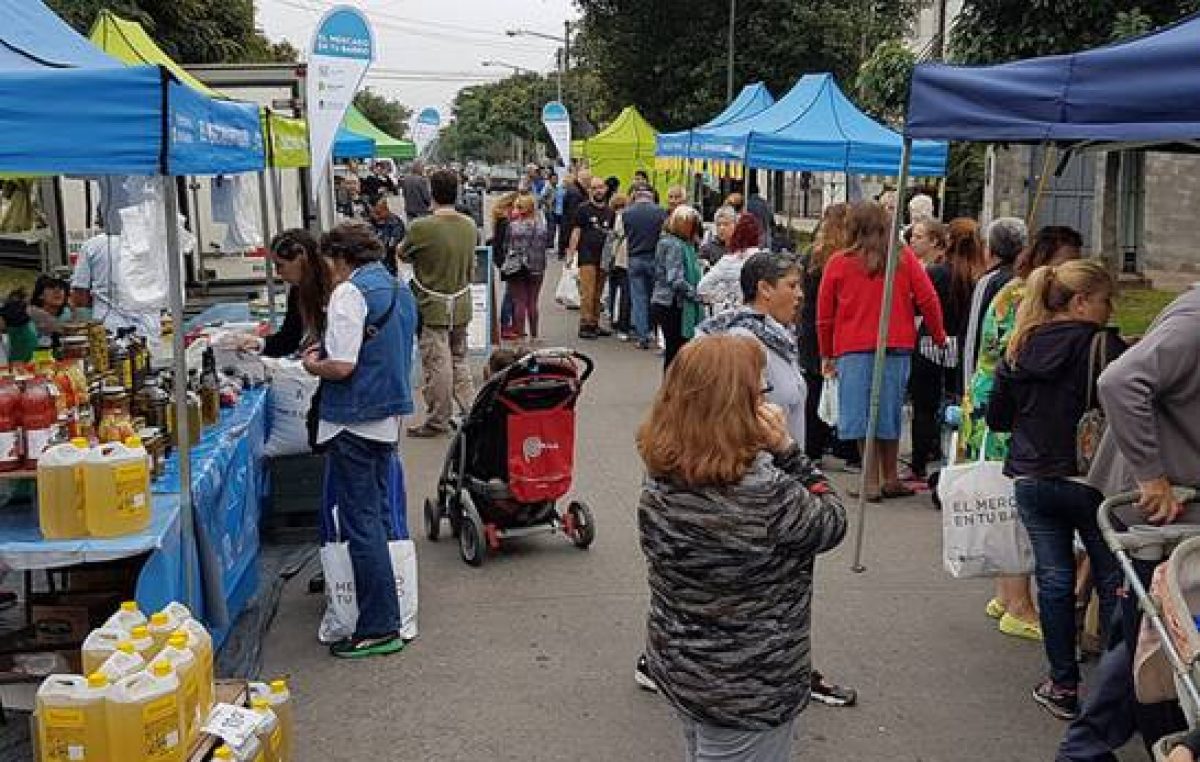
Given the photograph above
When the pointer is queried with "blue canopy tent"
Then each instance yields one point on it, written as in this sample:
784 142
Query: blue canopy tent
815 128
68 108
752 100
348 144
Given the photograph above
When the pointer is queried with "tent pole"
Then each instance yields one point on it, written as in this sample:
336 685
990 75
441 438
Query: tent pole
268 265
179 363
871 456
1037 197
789 199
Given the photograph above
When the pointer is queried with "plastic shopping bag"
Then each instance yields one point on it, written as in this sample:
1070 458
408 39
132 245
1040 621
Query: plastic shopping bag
341 605
982 533
567 293
827 405
291 396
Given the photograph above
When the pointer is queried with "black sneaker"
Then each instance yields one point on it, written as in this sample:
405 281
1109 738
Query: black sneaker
588 333
1059 701
641 676
831 694
603 333
361 648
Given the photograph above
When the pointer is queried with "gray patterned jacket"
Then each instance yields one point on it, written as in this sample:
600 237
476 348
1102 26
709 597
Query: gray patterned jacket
731 590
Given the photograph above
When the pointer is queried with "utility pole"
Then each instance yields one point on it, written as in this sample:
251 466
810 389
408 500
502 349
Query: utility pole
729 74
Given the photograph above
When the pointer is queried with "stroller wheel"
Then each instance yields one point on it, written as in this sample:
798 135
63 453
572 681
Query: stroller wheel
472 544
583 527
433 520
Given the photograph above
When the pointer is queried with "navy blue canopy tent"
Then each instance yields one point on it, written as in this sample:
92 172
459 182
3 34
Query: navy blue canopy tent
1145 90
815 128
752 100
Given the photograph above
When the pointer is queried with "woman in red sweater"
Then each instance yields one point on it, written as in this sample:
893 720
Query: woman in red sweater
848 308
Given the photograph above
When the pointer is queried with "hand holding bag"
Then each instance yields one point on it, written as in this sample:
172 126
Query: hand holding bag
982 533
827 405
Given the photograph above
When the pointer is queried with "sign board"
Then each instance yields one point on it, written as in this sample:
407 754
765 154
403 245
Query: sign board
479 332
343 48
425 129
557 120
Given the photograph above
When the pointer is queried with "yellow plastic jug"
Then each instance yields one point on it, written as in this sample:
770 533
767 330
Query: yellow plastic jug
145 718
279 697
143 643
123 662
162 625
60 491
251 752
178 611
117 481
270 731
71 719
99 645
187 668
201 645
127 617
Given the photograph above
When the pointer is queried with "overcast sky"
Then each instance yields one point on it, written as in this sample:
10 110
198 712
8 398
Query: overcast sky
429 49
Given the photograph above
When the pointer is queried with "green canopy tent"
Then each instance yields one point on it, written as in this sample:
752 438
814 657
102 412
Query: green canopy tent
386 146
624 147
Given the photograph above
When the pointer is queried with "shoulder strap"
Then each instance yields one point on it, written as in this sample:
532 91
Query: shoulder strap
372 329
1097 361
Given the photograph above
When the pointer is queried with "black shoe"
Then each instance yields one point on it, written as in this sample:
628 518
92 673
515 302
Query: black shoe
1061 702
316 583
603 332
643 344
588 333
641 676
361 648
830 694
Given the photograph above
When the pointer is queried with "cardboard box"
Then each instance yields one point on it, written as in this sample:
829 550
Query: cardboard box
67 618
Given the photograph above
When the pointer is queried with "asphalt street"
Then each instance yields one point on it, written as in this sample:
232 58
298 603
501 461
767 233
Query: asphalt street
531 656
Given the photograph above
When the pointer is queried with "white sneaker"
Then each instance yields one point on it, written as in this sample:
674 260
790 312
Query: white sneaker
641 676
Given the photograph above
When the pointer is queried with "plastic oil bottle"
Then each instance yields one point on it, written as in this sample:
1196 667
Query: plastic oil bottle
61 495
276 693
127 617
71 722
187 668
123 662
270 731
117 478
142 642
99 645
252 751
201 645
162 625
145 718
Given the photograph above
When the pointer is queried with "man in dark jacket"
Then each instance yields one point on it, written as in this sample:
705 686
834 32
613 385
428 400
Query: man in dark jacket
415 187
643 221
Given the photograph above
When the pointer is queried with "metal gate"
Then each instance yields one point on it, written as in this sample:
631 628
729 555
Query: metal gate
1069 198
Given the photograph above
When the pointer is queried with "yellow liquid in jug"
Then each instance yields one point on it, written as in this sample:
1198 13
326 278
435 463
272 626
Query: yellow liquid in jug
70 734
147 731
61 503
118 496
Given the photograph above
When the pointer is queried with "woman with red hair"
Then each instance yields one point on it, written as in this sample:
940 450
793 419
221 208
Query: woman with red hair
721 286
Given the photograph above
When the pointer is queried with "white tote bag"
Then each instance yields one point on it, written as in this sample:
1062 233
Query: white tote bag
567 293
341 605
827 405
982 533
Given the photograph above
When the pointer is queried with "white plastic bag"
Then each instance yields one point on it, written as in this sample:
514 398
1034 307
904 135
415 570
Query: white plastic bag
292 390
341 606
827 405
567 293
982 533
142 277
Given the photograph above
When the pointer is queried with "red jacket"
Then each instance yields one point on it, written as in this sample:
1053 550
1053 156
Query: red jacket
850 299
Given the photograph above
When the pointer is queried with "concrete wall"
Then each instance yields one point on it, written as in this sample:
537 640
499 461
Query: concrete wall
1172 213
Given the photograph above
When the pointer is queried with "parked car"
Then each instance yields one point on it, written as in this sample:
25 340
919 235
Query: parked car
503 180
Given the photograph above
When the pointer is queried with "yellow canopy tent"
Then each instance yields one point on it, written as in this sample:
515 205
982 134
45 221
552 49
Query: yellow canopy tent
624 147
287 139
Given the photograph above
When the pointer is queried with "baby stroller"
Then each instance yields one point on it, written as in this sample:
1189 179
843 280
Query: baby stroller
1171 603
512 457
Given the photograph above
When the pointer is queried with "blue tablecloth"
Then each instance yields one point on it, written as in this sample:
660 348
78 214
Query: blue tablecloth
228 482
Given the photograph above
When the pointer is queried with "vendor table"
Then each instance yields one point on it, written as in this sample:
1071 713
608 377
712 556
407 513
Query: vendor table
222 312
228 484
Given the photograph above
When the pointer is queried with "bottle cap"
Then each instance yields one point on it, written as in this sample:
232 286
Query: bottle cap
97 680
279 685
126 647
158 619
134 441
129 606
161 669
82 444
177 640
223 752
141 631
260 704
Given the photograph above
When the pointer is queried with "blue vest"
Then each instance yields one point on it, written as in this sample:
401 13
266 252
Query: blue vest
379 387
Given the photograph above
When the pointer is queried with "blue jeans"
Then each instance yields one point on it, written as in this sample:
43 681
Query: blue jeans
359 468
1053 510
641 287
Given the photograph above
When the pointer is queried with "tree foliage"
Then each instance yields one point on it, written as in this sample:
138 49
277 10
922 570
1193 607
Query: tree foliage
190 31
883 82
992 31
387 114
669 58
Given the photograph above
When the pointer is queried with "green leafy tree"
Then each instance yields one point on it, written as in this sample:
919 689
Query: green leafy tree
190 31
883 82
386 113
992 31
669 58
486 118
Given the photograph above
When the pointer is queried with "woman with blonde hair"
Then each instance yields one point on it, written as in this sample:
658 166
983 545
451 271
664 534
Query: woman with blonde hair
675 305
731 520
524 266
1043 387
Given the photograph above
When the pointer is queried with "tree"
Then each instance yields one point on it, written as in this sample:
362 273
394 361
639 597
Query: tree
387 114
992 31
883 82
190 31
671 62
486 118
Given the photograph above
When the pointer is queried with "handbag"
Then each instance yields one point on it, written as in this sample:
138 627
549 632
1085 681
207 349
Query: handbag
982 533
1090 429
515 264
827 405
567 292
